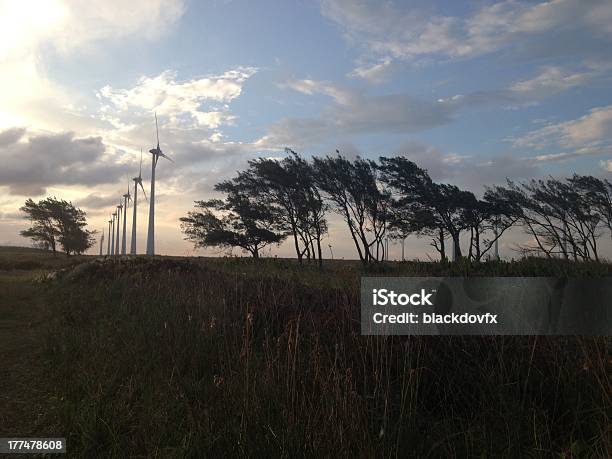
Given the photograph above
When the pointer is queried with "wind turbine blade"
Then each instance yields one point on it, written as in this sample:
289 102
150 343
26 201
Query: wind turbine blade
163 155
140 170
157 130
143 191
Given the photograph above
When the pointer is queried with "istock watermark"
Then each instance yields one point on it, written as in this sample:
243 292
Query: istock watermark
486 306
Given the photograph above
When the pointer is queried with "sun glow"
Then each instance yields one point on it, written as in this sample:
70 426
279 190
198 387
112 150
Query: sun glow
24 22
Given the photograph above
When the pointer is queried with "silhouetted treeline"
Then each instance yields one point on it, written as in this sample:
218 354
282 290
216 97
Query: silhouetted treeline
391 198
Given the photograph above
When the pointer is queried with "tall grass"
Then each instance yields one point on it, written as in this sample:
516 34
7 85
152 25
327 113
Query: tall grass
167 358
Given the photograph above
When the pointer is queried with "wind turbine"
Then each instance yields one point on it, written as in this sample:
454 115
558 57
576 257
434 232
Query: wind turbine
101 242
113 235
137 181
156 152
108 248
119 207
126 198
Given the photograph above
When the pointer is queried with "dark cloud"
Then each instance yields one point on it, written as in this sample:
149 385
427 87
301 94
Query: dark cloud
10 136
356 113
96 201
43 160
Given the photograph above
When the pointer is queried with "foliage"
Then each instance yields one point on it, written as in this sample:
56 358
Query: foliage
55 222
239 221
393 198
355 192
564 216
288 186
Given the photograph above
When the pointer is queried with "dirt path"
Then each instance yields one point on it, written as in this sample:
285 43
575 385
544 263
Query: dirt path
24 391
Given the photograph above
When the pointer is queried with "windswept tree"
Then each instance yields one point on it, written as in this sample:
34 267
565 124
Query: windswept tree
560 215
56 221
356 194
238 221
288 186
488 219
430 208
597 194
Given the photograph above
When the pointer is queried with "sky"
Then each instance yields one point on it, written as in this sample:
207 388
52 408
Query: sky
474 91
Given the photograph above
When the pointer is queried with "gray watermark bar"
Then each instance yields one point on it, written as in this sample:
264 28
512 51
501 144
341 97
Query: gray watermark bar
486 306
32 445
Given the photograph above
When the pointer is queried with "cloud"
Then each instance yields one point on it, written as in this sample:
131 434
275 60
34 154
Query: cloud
592 129
32 30
473 173
395 31
71 24
606 165
310 87
352 112
373 73
96 201
11 136
547 82
40 160
551 80
183 102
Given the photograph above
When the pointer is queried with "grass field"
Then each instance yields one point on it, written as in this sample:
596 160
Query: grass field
172 357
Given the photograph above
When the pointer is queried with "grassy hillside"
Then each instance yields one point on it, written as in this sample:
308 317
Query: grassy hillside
169 357
27 258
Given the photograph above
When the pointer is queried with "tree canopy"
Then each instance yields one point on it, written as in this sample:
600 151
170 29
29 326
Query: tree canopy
393 198
238 221
56 221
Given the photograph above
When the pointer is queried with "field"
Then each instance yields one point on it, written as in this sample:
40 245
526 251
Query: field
175 357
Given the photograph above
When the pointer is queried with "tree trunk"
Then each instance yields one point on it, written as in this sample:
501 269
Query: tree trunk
442 246
297 246
456 248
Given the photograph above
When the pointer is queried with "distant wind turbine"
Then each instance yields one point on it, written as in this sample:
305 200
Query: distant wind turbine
108 247
156 152
113 235
126 197
137 181
119 207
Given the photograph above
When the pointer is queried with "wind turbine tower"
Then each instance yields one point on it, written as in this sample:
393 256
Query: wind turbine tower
113 235
119 207
137 181
108 248
156 152
126 198
101 242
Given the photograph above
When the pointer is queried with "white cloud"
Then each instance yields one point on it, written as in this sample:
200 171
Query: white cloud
29 28
310 87
373 73
606 165
70 24
182 102
550 80
592 129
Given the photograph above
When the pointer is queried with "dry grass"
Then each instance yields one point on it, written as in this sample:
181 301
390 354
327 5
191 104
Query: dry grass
175 358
